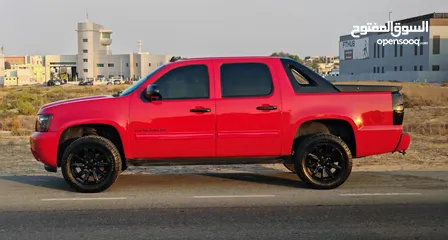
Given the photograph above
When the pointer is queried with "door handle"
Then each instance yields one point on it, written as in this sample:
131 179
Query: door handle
269 108
200 110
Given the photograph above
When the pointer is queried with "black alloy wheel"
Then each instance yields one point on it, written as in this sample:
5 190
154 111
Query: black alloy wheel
323 161
91 164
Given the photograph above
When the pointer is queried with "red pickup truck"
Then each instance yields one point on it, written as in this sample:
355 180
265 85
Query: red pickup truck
222 110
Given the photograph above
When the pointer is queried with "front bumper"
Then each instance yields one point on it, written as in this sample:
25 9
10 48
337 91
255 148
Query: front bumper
44 147
403 143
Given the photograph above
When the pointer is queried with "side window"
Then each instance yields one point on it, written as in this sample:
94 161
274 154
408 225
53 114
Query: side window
187 82
245 80
299 78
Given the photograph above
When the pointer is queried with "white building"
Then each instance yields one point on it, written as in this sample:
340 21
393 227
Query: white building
2 67
94 59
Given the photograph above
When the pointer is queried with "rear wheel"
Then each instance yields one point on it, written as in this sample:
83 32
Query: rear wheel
323 161
91 164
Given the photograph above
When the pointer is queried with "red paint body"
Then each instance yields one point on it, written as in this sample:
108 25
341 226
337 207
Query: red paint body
233 128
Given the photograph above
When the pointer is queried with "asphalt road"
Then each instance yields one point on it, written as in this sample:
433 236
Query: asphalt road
371 205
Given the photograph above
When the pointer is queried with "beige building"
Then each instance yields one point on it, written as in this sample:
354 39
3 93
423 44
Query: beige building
2 67
94 60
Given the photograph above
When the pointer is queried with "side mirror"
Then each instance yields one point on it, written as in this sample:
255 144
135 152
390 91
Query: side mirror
153 92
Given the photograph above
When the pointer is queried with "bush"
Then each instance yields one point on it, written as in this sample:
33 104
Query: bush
21 132
26 108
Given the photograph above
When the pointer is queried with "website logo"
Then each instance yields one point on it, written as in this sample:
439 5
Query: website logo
395 29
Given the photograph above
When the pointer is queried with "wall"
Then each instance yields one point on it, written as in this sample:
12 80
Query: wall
120 65
440 28
15 59
58 61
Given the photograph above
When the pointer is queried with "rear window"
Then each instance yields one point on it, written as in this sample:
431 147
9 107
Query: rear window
245 80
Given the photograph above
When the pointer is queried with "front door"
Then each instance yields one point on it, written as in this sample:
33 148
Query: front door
248 109
182 123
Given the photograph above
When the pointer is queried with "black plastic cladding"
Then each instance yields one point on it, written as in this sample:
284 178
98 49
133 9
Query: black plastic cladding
317 84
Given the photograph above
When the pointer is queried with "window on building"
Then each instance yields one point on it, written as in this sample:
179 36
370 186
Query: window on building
421 68
85 51
395 68
415 68
149 64
100 65
382 69
85 40
378 51
421 46
378 69
382 51
186 82
245 80
136 64
401 68
415 48
110 65
436 44
105 35
85 70
374 50
374 69
435 67
127 64
401 50
85 60
396 49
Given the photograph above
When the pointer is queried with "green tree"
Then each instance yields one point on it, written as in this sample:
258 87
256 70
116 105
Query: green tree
283 54
175 58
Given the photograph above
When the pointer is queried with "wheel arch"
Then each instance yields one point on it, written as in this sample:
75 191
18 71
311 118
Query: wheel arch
109 131
343 127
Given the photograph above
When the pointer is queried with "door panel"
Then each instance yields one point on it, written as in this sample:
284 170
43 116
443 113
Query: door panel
182 123
247 110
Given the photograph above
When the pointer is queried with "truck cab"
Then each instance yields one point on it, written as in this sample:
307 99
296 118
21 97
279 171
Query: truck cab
227 110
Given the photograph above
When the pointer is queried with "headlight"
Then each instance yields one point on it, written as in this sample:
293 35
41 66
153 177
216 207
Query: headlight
43 122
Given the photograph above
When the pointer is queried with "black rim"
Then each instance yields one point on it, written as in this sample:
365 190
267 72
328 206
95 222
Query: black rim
91 166
325 162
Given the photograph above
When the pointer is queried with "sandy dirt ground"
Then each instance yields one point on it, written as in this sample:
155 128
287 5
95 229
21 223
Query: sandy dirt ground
15 159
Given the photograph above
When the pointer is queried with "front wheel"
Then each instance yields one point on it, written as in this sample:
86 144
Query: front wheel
323 161
91 164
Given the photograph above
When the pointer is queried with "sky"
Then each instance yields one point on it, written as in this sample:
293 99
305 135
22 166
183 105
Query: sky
198 28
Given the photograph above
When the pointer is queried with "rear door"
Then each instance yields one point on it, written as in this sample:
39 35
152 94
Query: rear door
248 109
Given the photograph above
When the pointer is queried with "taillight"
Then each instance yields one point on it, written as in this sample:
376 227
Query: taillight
397 108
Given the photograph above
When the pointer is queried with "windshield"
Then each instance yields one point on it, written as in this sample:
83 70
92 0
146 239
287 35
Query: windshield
134 86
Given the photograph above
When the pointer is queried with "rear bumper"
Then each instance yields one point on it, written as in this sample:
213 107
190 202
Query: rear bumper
43 146
403 143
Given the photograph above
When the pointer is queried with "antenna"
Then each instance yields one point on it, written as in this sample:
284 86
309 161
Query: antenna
140 43
87 14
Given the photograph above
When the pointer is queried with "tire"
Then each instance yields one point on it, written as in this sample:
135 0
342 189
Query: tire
78 164
308 160
290 167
